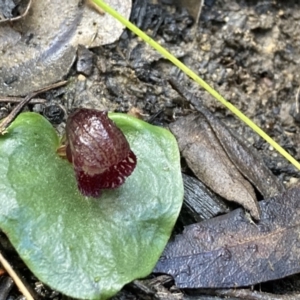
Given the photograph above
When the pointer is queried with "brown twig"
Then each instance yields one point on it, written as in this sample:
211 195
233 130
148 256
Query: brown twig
297 100
20 16
19 99
15 278
254 295
180 90
10 118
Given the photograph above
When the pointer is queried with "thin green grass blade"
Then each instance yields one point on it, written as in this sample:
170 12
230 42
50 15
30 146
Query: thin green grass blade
199 80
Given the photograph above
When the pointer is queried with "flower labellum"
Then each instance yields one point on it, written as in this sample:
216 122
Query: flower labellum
99 151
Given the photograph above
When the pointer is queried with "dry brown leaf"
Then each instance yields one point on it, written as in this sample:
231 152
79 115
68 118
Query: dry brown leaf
210 163
232 251
246 159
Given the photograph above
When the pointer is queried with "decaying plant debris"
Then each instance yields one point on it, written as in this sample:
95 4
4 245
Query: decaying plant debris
40 48
14 10
221 160
231 251
249 51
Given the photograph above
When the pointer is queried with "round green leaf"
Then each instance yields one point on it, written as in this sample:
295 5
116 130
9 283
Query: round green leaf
85 247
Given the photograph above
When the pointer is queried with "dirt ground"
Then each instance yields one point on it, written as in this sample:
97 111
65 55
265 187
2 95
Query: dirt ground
247 50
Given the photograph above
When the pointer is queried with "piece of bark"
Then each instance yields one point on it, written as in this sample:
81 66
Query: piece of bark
232 251
209 162
85 61
6 285
199 202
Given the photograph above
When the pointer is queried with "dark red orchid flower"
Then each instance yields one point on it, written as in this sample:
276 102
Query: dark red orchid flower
99 151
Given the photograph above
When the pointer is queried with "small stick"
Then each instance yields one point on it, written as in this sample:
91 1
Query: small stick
254 295
189 97
95 7
297 100
10 118
19 99
15 278
20 16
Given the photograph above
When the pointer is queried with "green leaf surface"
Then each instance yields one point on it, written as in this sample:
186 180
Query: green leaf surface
84 247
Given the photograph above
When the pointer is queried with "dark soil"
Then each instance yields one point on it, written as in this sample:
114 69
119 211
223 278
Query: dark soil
247 50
